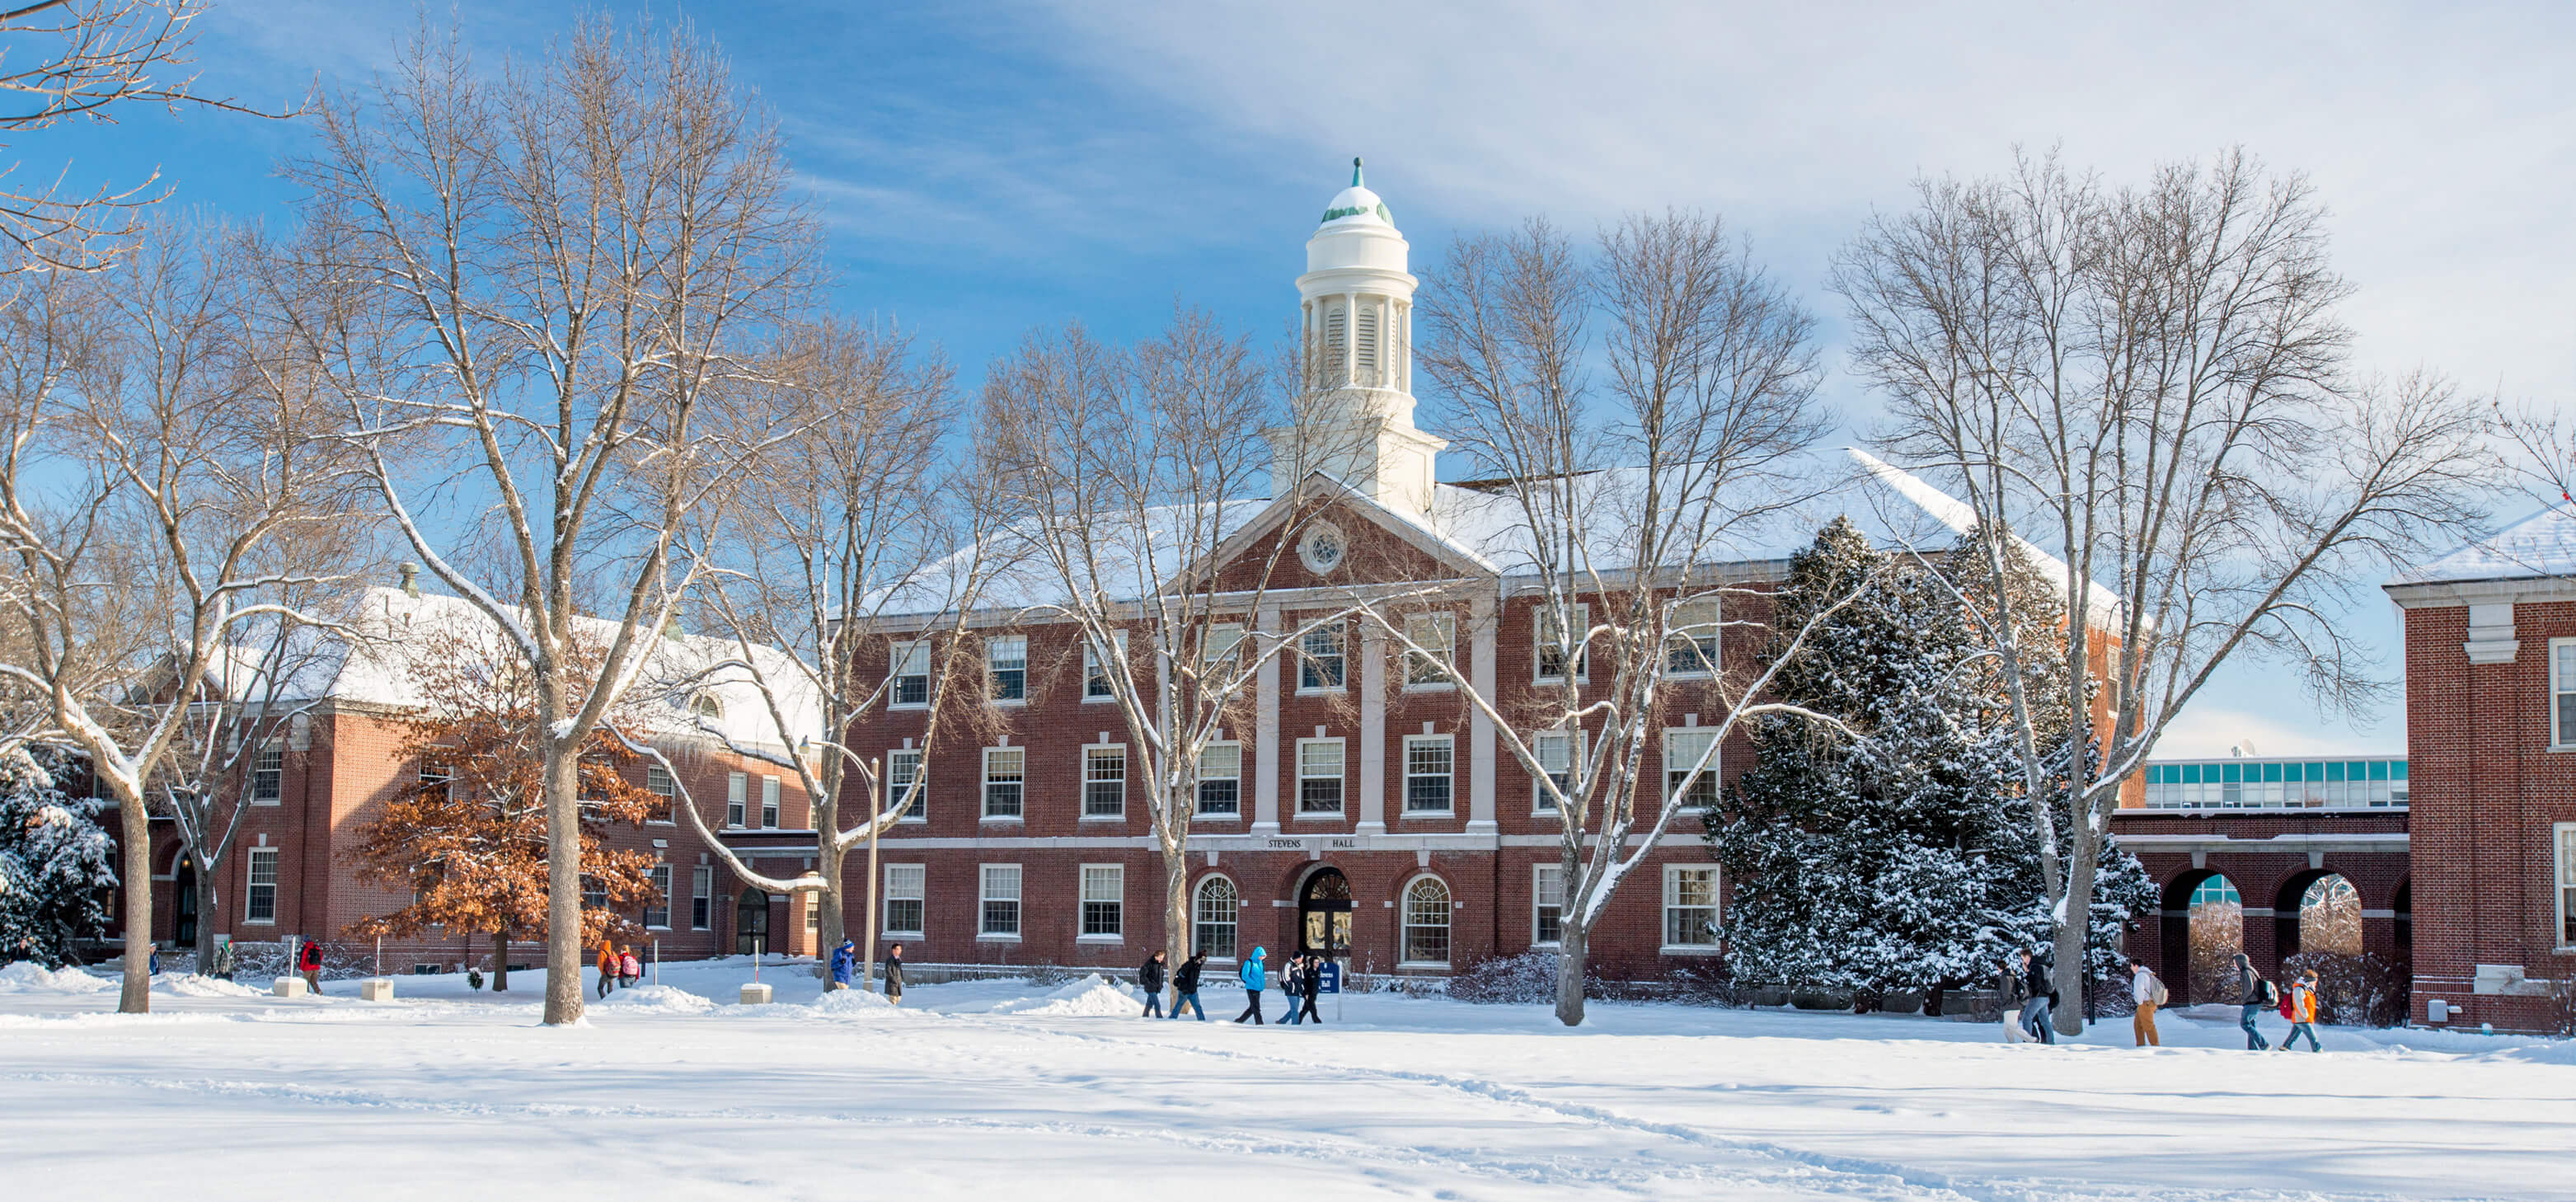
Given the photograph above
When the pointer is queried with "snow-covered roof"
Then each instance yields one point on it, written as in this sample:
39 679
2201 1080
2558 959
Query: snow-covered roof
2539 545
1954 513
375 666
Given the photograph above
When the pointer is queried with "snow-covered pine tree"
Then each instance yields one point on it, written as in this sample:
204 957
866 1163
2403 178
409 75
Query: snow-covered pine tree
57 864
1863 861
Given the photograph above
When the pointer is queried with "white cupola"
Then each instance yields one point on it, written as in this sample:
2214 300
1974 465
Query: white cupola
1356 410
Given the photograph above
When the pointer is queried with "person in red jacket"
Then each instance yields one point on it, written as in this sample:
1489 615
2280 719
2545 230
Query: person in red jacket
309 962
2299 1005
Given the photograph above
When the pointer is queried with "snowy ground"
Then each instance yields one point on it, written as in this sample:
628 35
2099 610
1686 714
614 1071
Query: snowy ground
1008 1090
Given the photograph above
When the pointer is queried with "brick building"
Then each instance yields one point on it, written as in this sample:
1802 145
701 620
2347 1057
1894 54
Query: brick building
335 765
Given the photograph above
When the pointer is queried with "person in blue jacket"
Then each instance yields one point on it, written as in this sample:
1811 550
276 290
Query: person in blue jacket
1253 980
845 961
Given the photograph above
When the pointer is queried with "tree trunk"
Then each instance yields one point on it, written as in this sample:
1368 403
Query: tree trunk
1176 924
2076 931
500 962
1571 937
205 918
134 830
830 925
563 884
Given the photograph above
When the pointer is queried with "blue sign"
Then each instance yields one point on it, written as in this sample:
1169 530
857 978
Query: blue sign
1331 982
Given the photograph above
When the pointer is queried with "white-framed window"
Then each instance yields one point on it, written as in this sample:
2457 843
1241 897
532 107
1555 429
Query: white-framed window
1437 635
657 913
813 913
268 773
2562 692
436 774
702 897
1682 752
1006 667
1222 639
1319 776
1556 751
1005 779
594 893
1323 657
1691 649
1552 637
259 900
1426 922
658 782
1001 902
1104 781
906 900
1214 910
2566 832
1690 907
1104 902
1095 675
769 802
909 666
1428 775
902 772
1547 903
1221 780
737 797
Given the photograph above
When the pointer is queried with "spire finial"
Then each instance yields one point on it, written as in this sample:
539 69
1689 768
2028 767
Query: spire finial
1355 171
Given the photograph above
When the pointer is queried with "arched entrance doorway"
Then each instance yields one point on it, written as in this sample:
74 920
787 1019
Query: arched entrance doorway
2330 916
751 922
1324 899
183 890
2217 925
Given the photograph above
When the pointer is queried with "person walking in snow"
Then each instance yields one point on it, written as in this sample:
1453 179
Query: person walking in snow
2300 1007
607 968
2037 978
1308 986
2009 997
1288 989
894 974
2149 993
309 962
845 960
2256 994
630 971
224 958
1149 977
1253 980
1185 986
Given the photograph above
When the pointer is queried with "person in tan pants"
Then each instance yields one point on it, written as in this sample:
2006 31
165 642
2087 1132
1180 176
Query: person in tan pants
2149 994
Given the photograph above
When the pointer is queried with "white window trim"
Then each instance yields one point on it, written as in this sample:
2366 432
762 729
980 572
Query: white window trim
737 800
702 876
2550 667
895 663
250 783
983 786
1715 633
1198 815
1297 804
1086 815
991 672
1537 873
1404 799
885 895
1664 912
773 803
2559 834
671 799
1090 666
1448 623
276 884
921 772
1237 886
1403 897
1298 664
1081 877
1714 773
981 897
1573 756
1539 644
670 894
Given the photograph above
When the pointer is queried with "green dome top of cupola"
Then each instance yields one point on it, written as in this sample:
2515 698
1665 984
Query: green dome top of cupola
1357 203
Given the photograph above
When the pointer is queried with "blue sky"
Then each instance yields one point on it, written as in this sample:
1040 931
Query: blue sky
989 168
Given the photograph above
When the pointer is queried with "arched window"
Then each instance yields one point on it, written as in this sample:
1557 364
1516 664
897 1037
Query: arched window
2330 917
1426 921
2217 926
1213 915
707 705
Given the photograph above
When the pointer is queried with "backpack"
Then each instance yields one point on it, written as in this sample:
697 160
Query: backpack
2271 995
2159 983
2290 1004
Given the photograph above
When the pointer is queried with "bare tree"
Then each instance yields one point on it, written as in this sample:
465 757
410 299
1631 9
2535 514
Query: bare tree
1621 504
151 502
530 293
88 61
2153 380
858 531
1132 477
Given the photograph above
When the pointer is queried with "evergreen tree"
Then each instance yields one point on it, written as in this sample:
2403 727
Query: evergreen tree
57 864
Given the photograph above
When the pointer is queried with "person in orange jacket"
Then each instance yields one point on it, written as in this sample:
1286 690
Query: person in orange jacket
607 968
2299 1005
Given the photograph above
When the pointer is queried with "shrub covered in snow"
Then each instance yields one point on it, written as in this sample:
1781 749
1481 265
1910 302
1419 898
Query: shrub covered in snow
55 864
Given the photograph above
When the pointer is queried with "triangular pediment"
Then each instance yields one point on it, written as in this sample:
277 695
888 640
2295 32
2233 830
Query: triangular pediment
1326 534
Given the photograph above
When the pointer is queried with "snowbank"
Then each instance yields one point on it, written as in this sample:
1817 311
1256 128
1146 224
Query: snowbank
27 976
191 985
655 999
852 1001
1093 996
